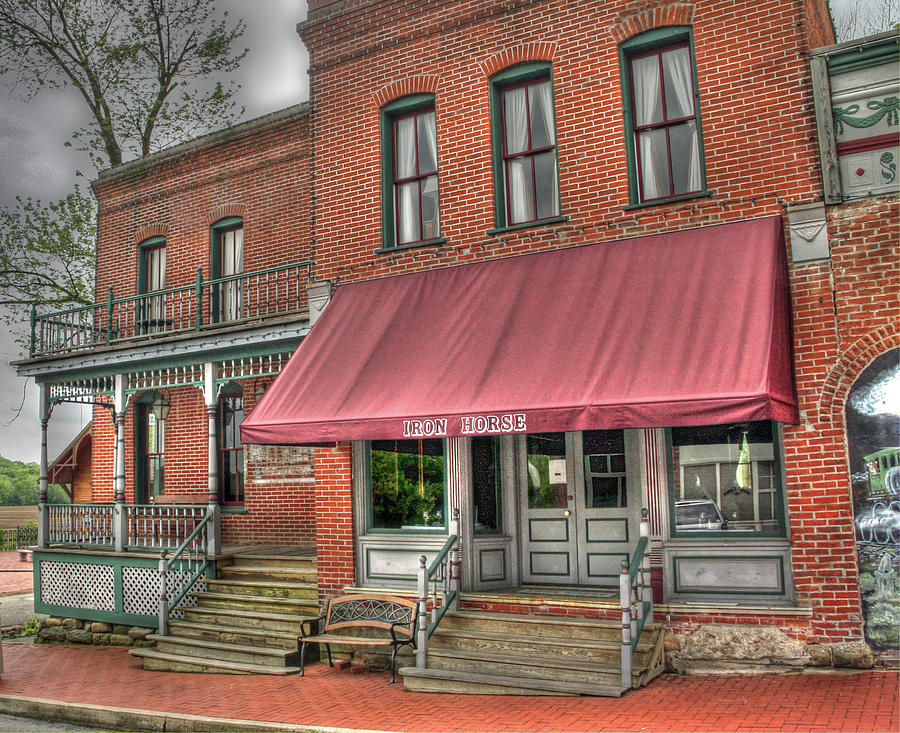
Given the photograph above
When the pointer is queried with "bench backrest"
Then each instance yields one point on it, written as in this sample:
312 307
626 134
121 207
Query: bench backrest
372 611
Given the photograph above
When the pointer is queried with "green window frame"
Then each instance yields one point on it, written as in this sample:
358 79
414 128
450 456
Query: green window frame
669 129
401 515
530 165
410 184
226 299
149 448
740 474
230 449
151 277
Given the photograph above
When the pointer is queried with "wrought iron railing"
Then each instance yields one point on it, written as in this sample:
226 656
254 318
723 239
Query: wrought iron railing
80 524
178 573
158 526
443 574
15 539
225 301
636 596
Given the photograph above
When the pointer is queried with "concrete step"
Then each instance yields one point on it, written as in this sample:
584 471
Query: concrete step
510 623
265 588
254 604
280 622
584 650
525 667
442 680
205 650
234 634
164 662
268 572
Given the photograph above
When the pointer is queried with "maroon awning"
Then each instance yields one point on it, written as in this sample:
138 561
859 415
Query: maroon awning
683 328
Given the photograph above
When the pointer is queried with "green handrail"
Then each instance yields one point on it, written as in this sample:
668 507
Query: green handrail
201 568
448 545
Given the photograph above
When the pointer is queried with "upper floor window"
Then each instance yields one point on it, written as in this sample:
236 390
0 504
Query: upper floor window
410 162
725 478
151 311
227 261
231 450
664 139
525 160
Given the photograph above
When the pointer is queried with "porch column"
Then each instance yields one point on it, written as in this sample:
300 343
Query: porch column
43 539
214 544
120 519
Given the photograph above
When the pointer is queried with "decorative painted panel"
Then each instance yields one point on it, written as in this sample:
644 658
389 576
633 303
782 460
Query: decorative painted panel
607 530
605 565
549 563
491 565
744 575
548 530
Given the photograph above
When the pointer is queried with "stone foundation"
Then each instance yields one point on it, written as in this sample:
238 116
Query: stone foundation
723 648
97 633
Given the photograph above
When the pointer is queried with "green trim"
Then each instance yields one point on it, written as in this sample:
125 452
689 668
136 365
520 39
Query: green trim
232 509
624 555
566 574
372 576
659 202
481 551
531 520
635 45
726 534
413 245
517 74
409 103
215 256
713 591
562 219
866 57
587 530
149 243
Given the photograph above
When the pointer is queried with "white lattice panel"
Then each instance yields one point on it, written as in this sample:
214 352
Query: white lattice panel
78 585
140 590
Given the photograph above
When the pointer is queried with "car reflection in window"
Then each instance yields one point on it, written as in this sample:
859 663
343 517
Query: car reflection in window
698 515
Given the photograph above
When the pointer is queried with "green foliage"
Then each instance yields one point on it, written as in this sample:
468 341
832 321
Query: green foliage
19 485
142 67
46 255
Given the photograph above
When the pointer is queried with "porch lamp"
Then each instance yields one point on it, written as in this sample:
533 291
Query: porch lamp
160 407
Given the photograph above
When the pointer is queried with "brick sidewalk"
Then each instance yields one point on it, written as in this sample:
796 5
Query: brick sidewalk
15 576
866 702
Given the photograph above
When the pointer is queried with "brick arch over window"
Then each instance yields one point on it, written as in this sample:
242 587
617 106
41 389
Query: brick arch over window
659 16
849 366
149 231
224 211
422 84
544 51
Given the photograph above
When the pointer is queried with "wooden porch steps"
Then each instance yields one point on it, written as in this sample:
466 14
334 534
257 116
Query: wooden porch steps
247 622
515 654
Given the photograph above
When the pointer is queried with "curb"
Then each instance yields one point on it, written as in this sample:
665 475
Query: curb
129 719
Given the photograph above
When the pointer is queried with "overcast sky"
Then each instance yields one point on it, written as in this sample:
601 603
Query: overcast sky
34 162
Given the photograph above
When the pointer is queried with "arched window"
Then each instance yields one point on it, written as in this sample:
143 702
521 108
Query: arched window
231 450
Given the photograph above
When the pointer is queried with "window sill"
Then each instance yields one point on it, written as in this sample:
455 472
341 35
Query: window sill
528 225
412 245
233 510
674 199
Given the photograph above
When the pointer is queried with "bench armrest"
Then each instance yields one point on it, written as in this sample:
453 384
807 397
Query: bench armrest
411 640
303 626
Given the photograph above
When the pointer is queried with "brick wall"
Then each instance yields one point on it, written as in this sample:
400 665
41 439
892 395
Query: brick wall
760 158
334 520
260 171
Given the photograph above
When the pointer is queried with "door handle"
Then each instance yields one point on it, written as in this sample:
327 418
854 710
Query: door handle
567 513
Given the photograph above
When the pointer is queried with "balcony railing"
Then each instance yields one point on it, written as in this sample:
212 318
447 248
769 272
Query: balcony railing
225 301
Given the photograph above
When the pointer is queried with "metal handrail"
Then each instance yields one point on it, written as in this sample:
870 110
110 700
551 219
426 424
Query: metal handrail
445 568
196 562
636 596
181 308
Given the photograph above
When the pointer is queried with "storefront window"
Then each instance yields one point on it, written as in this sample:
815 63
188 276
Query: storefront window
547 471
407 481
486 484
725 479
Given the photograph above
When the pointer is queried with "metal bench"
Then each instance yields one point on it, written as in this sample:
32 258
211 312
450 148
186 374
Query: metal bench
391 613
24 555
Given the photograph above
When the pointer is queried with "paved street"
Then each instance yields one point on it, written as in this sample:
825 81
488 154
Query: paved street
109 682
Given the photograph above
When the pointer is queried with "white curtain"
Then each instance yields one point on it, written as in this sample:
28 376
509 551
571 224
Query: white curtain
518 188
408 213
428 131
515 119
405 152
678 66
647 110
518 171
543 101
232 264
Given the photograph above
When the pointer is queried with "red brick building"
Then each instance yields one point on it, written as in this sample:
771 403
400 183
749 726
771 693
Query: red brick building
715 299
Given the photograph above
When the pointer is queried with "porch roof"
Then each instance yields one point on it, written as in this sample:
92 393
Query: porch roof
682 328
